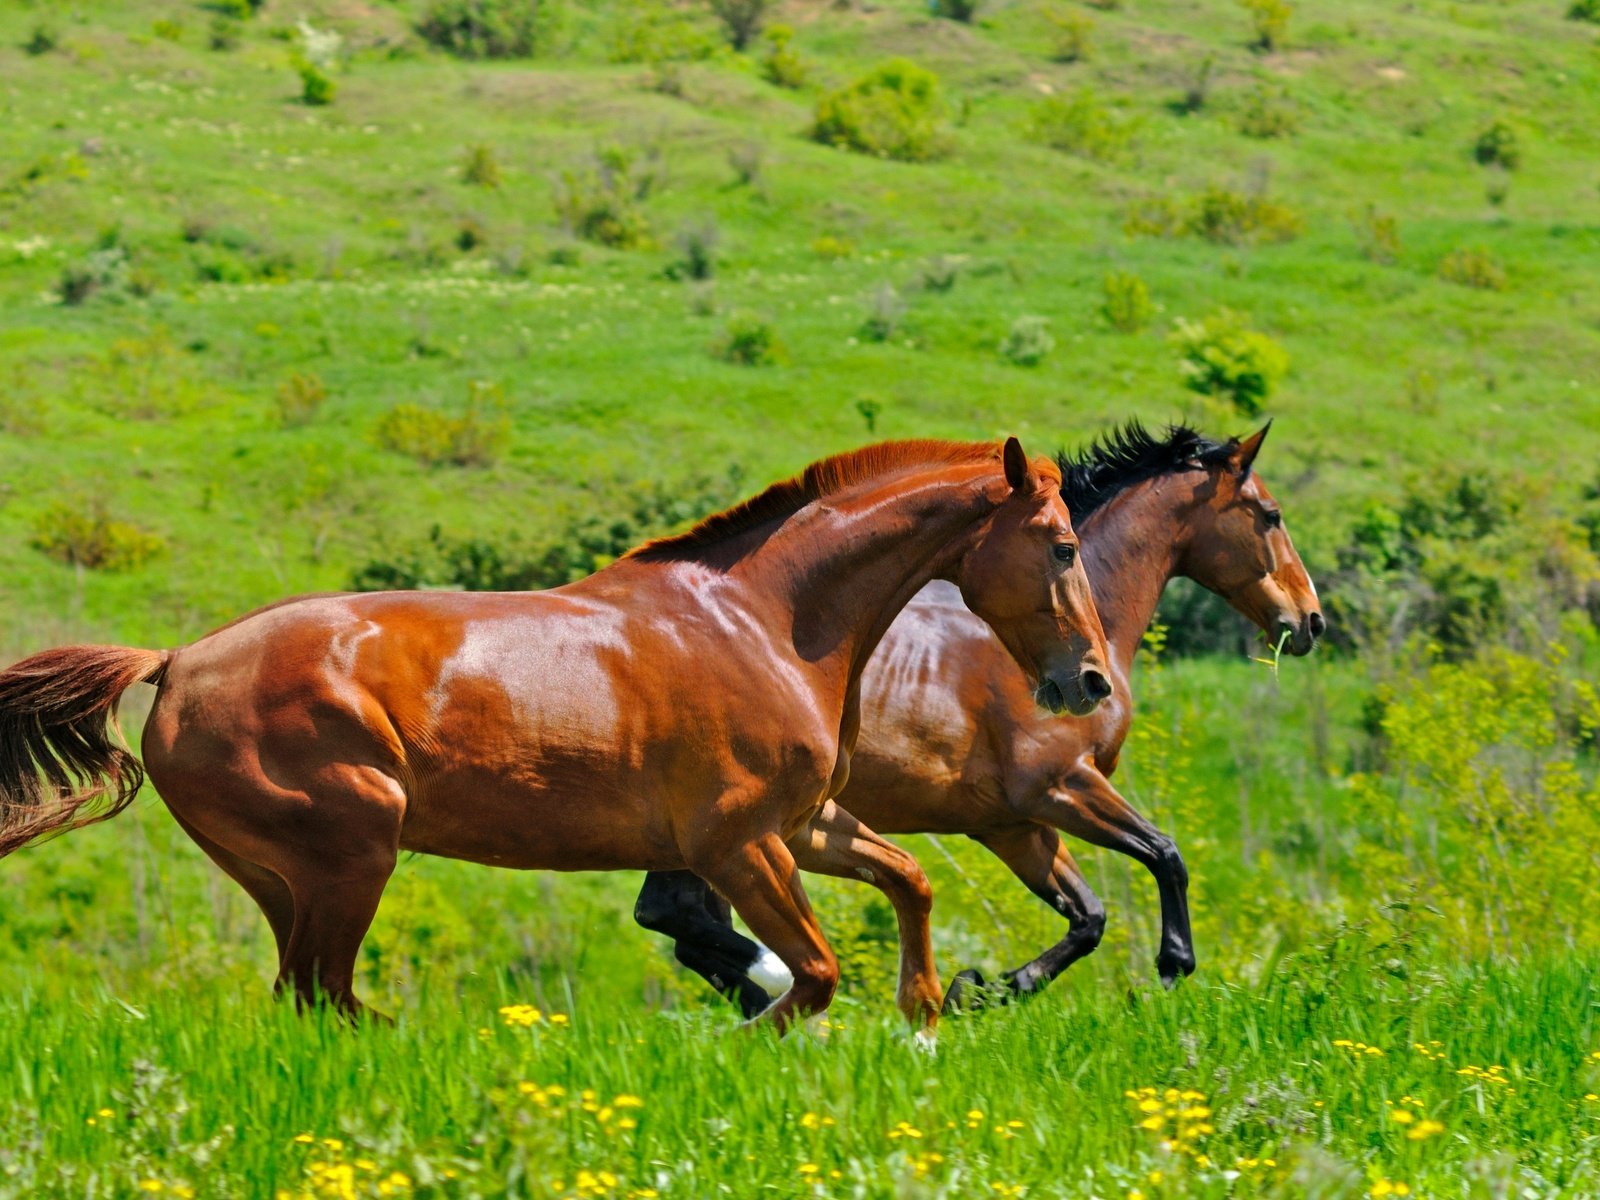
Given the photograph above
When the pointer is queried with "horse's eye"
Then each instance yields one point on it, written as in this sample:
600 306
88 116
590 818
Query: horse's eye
1274 518
1065 552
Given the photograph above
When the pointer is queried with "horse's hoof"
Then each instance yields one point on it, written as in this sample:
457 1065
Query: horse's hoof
967 992
1174 965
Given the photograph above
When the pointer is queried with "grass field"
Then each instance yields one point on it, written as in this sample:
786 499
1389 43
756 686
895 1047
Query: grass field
1392 858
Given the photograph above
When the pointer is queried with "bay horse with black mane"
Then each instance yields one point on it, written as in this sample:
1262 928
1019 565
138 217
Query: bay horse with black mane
693 705
952 742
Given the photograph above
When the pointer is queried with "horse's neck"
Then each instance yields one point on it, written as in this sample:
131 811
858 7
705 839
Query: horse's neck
848 565
1130 550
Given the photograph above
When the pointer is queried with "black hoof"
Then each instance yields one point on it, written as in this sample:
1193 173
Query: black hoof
968 992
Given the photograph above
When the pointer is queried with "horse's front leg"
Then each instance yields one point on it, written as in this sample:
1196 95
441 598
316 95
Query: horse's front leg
1036 856
1085 805
760 880
835 843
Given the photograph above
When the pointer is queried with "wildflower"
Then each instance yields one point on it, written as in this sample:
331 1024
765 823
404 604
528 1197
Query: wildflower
305 1139
1402 1116
627 1101
1424 1129
809 1168
904 1129
1388 1187
558 1019
152 1185
521 1016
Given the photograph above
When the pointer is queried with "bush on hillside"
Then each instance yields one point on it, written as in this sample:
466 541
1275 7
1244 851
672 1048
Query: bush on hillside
1080 124
480 167
1379 235
317 87
482 28
781 64
1072 35
88 536
1481 557
1270 21
697 250
741 19
474 437
893 112
750 341
1223 357
1584 10
580 548
1235 219
1498 146
1269 112
42 40
602 204
1028 341
300 398
955 10
1473 267
885 311
1127 307
648 31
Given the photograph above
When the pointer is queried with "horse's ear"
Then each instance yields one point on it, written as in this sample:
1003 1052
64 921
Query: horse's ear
1245 456
1019 474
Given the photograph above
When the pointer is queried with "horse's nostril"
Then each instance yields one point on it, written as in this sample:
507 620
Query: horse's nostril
1096 686
1318 625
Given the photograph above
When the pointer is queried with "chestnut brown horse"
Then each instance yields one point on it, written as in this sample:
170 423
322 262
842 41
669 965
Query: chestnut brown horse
951 741
694 704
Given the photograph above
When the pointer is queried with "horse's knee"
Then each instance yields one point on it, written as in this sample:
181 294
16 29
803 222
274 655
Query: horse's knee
1093 924
911 882
815 982
661 903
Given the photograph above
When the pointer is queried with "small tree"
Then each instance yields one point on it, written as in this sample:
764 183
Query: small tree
1270 19
741 20
1222 356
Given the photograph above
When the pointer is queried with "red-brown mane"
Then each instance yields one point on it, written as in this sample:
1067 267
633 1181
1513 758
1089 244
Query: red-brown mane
825 477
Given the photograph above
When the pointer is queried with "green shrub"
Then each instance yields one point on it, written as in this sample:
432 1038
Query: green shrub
602 204
939 272
1270 21
647 31
831 248
893 112
1584 10
238 10
750 341
1154 216
475 437
1379 235
1498 146
89 536
480 168
782 64
482 28
1269 112
167 31
581 548
1473 267
317 87
1080 124
1027 342
1198 89
1459 561
42 40
104 267
1072 33
955 10
1496 185
1127 306
697 250
300 398
885 311
741 19
224 33
1234 219
748 160
1222 357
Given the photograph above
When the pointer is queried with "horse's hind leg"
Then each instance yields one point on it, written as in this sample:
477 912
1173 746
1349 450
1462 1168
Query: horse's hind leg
835 843
265 887
682 906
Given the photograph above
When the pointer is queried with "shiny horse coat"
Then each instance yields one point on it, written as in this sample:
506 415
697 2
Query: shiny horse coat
952 741
693 705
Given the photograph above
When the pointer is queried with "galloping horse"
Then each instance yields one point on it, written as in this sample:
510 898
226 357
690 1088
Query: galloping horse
951 741
694 704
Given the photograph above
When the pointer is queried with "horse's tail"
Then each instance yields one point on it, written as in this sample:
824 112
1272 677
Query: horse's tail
60 767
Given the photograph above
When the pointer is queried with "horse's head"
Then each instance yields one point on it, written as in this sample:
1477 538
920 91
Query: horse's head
1025 577
1238 547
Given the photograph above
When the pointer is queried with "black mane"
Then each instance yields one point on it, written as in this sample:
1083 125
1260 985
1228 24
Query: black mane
1128 455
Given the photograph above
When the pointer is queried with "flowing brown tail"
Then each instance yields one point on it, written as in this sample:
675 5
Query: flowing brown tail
58 759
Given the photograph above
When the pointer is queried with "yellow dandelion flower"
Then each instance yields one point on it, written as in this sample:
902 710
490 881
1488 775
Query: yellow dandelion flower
809 1168
152 1185
305 1139
1424 1129
559 1019
627 1101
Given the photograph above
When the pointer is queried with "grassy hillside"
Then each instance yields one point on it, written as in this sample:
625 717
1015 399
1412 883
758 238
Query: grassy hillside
216 300
327 241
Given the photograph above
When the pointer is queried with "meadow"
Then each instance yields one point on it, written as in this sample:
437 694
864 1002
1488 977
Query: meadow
533 308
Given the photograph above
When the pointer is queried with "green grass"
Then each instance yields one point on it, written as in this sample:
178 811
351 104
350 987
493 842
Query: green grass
1341 892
